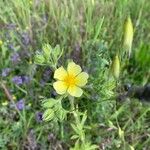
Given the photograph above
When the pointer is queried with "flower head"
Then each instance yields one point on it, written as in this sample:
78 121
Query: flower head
20 104
17 80
71 80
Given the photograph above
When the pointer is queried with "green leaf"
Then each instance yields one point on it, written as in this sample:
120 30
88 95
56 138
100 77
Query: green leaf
61 114
49 103
77 146
93 147
59 111
56 53
89 146
74 137
56 106
47 49
83 119
131 147
76 130
121 133
48 115
39 59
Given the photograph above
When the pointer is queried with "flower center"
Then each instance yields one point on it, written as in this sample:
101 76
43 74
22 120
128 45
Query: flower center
70 80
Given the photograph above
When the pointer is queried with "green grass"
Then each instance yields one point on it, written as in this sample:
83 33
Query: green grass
90 32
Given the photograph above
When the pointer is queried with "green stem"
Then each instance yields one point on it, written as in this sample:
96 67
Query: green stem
62 130
72 103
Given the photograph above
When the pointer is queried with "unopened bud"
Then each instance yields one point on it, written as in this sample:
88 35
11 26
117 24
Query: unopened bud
128 36
115 67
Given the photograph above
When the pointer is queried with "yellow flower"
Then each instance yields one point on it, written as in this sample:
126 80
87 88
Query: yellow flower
70 81
128 35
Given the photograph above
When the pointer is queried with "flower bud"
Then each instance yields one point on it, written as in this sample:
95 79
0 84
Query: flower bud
128 35
115 67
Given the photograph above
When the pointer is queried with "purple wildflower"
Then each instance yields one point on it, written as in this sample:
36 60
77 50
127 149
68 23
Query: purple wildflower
5 72
26 79
17 80
15 58
39 117
21 80
20 104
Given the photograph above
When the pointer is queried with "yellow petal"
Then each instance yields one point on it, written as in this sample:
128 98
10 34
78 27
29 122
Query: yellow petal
60 73
60 87
75 91
73 69
81 79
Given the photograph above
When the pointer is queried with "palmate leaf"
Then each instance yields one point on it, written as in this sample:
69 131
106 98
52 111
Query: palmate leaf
48 115
54 110
61 114
56 53
47 49
49 103
39 59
